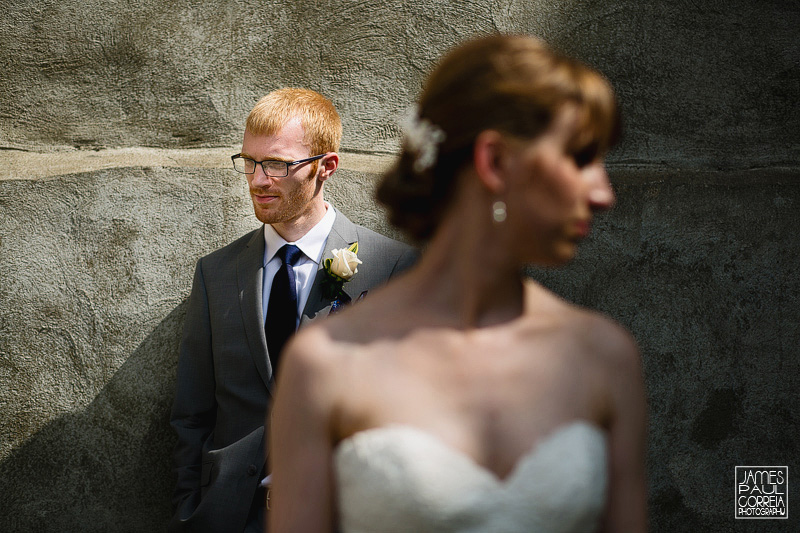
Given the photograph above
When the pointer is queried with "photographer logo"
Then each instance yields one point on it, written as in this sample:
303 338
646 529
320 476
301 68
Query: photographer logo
762 492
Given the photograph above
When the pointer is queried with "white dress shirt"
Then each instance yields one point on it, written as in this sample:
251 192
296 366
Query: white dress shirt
312 244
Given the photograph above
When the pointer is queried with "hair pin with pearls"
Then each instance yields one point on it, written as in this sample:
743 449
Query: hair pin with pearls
422 138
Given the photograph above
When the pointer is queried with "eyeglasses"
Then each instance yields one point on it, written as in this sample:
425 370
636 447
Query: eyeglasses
271 167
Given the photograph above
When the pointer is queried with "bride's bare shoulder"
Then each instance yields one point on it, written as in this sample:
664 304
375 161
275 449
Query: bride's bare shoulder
308 341
329 344
608 335
608 343
598 333
311 353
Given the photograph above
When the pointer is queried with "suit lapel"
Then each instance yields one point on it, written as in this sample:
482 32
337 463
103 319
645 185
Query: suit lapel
250 273
342 235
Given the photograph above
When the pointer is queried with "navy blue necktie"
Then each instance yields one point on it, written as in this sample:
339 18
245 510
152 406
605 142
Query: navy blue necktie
282 307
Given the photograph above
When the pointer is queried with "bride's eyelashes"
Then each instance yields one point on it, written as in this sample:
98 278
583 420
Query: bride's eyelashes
585 155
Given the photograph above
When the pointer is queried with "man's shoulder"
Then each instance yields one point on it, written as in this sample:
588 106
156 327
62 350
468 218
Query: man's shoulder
382 257
233 249
367 234
371 237
395 255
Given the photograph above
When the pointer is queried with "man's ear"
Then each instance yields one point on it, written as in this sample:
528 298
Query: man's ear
489 149
328 165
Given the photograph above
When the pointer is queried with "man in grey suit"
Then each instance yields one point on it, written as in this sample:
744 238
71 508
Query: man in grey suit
249 296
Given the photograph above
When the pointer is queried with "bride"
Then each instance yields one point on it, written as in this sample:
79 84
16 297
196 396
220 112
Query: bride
463 396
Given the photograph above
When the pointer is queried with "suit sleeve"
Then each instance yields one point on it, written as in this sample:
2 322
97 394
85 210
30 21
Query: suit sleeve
194 408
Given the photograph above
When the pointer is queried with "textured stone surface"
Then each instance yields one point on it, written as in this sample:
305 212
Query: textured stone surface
707 282
116 124
709 84
95 269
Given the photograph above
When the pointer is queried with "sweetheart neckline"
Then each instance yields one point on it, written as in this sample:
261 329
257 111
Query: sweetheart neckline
532 451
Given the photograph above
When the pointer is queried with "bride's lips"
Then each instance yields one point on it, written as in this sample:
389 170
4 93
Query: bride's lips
582 228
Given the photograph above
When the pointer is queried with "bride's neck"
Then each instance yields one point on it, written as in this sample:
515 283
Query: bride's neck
467 273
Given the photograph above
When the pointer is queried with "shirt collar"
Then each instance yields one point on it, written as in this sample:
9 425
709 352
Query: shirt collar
312 244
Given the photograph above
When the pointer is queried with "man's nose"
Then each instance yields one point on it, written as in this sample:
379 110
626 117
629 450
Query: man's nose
259 178
601 194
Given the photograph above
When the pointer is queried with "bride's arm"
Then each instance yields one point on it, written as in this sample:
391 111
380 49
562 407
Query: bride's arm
301 495
627 483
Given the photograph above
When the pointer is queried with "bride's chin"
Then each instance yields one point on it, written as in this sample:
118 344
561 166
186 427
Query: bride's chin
553 259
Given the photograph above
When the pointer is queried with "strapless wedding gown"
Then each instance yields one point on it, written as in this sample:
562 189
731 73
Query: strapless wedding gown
399 478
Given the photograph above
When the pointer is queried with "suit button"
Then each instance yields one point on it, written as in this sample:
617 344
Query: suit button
251 470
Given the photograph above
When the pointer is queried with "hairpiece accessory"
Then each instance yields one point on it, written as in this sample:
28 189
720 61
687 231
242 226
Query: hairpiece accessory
422 138
499 211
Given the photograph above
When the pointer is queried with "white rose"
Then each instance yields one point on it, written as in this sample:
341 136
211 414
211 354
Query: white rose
345 263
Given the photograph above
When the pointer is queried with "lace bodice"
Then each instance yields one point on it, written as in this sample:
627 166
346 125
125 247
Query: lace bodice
399 478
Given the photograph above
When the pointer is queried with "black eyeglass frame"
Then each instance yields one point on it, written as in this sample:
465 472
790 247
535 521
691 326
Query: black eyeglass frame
287 163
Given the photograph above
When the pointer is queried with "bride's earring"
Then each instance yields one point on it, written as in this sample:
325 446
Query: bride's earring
499 211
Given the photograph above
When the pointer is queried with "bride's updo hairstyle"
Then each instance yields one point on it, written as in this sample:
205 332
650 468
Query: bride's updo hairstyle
512 84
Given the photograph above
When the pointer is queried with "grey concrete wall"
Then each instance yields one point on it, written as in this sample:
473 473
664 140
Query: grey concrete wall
116 122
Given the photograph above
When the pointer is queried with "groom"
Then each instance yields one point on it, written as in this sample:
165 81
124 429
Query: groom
249 297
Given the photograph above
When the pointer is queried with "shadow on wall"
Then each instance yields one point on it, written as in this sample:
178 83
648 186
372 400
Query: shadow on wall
702 269
108 467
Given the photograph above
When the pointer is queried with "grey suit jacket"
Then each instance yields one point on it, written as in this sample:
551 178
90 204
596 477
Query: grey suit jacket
225 380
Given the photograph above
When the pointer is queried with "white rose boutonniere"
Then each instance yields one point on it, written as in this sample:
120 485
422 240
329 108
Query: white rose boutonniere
345 262
339 270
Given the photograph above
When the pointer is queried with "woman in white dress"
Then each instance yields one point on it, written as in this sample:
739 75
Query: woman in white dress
464 396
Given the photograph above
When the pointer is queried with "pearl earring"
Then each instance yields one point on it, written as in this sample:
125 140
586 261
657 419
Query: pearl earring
499 211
